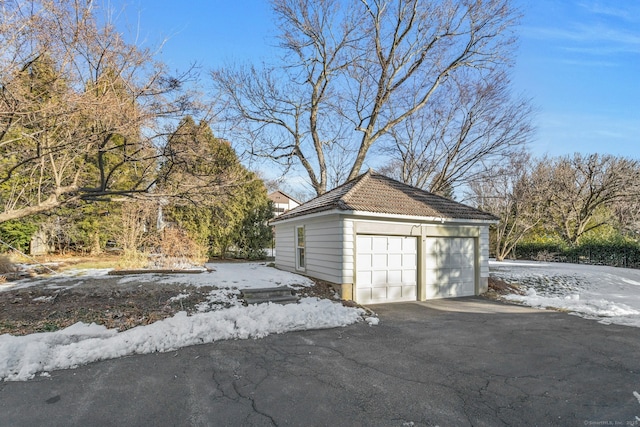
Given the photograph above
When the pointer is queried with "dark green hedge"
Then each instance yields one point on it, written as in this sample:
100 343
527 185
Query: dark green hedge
616 254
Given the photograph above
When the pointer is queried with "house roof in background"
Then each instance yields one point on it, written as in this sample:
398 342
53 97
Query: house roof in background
376 193
281 197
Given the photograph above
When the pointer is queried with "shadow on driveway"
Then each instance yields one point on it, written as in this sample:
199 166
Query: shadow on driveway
466 361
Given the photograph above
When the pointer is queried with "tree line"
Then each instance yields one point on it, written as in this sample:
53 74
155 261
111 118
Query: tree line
97 135
559 203
97 132
189 224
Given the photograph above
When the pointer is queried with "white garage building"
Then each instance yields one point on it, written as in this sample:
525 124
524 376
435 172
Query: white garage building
379 240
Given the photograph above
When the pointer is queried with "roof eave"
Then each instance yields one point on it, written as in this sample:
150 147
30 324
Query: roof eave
279 220
442 220
378 215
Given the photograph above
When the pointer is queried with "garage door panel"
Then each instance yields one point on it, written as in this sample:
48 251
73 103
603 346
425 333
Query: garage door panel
459 289
365 277
454 274
456 260
410 244
394 292
468 245
394 259
363 294
401 292
365 260
394 276
379 293
409 260
394 244
365 245
379 259
409 292
409 277
378 278
387 294
379 244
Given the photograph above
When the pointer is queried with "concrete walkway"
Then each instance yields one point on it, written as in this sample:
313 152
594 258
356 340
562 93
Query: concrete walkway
447 363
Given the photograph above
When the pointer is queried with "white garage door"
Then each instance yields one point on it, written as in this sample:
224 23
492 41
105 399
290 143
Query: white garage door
386 269
450 267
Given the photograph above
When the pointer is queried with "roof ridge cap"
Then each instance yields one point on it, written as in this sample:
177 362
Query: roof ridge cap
359 180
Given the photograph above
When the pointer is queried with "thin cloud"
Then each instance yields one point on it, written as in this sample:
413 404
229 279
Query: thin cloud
628 14
595 39
587 63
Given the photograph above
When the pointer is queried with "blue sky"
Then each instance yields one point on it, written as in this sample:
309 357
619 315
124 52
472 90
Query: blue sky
579 60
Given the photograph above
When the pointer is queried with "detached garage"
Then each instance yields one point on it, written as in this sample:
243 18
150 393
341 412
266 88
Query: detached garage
379 240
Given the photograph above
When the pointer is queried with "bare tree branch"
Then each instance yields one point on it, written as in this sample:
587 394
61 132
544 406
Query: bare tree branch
353 72
82 112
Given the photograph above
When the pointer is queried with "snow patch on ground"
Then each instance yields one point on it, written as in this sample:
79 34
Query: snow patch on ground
255 276
607 294
22 357
372 321
221 275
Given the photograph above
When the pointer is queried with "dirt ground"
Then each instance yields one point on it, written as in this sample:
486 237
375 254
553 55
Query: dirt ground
498 288
105 301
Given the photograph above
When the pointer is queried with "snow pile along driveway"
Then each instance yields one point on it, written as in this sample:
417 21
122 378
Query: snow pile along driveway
607 294
22 357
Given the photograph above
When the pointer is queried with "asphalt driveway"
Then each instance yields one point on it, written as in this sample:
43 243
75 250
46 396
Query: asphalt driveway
448 363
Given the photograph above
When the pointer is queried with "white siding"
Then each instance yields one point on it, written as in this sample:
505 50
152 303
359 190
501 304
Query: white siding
484 252
324 248
285 247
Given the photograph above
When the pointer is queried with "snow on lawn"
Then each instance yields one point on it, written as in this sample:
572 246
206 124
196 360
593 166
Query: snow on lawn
239 275
22 357
242 276
606 294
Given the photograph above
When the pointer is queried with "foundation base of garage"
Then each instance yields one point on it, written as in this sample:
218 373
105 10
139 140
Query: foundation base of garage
346 291
483 286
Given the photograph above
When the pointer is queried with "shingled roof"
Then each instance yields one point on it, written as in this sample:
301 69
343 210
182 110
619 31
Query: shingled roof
376 193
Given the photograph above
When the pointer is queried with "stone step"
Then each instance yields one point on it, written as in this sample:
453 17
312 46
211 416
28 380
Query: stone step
277 300
282 295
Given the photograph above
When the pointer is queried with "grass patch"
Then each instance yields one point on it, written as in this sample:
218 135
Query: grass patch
104 263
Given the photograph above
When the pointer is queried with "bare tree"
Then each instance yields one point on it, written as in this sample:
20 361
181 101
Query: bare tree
511 193
354 71
82 112
471 127
627 216
579 187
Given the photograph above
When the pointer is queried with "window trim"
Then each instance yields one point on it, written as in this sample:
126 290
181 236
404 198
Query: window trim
300 248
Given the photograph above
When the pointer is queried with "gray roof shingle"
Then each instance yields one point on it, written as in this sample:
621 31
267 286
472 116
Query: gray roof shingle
376 193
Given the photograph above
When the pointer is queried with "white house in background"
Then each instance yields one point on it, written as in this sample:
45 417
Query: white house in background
282 202
379 240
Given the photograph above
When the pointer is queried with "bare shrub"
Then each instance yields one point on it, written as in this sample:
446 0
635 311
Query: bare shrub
178 250
545 256
132 259
6 265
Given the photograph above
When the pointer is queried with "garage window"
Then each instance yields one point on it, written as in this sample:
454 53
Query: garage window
300 242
